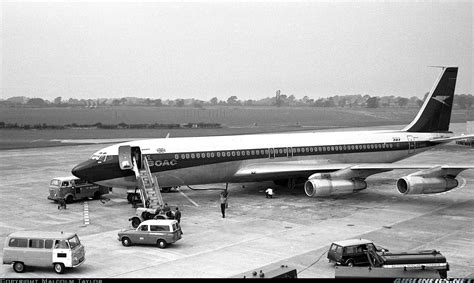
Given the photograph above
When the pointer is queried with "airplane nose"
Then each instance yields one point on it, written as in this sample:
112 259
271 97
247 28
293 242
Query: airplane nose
85 170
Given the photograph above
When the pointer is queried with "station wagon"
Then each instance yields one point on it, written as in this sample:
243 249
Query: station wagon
160 232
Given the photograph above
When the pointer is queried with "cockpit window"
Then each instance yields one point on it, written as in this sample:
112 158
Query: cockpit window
100 156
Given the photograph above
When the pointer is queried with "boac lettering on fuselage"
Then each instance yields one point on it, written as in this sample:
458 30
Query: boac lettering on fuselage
161 163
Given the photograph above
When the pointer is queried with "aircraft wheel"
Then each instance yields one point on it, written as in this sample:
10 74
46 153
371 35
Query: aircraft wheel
291 183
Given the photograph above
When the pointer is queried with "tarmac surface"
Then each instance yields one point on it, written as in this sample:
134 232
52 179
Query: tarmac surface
257 233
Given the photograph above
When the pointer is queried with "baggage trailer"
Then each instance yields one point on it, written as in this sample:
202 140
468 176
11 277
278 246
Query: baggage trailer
418 264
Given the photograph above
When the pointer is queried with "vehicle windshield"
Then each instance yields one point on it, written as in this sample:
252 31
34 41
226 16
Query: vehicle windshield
55 182
74 242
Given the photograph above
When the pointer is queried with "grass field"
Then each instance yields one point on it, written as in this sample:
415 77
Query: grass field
235 120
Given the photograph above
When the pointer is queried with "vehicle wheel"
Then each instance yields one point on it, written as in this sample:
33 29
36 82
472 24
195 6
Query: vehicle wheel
69 199
135 222
18 267
126 241
146 215
161 244
59 268
166 189
96 195
130 198
350 263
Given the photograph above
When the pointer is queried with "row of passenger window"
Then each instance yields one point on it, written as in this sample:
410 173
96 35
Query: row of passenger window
36 243
282 151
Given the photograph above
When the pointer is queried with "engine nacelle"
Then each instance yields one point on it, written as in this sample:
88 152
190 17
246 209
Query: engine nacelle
415 185
327 187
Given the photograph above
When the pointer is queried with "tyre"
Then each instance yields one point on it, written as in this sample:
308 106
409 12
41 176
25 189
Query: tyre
166 189
135 222
59 268
130 198
96 195
18 267
146 215
350 262
126 241
69 199
161 244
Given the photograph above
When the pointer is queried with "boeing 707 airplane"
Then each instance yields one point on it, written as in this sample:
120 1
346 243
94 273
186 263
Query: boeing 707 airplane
326 162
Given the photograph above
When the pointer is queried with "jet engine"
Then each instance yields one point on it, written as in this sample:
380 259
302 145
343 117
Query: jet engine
415 185
327 187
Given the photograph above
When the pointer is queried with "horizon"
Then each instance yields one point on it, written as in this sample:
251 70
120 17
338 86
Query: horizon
201 50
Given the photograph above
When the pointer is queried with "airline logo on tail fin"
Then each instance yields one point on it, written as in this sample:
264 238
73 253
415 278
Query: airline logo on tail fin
435 113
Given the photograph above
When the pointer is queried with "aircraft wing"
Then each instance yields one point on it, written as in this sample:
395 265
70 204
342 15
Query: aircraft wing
307 168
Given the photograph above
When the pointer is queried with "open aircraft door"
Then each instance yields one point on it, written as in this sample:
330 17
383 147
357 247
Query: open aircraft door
125 157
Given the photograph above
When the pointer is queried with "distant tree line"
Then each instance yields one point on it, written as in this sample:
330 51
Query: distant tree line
462 101
44 126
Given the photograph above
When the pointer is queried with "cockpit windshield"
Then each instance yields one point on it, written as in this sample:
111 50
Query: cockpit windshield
100 156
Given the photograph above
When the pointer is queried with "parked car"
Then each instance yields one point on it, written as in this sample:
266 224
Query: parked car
351 252
160 232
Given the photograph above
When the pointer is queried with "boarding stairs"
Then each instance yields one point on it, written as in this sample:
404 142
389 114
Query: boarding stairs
150 192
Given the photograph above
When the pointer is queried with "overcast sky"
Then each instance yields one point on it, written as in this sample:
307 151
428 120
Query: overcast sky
108 49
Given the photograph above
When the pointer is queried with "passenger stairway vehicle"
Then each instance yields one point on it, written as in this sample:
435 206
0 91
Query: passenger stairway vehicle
149 189
418 264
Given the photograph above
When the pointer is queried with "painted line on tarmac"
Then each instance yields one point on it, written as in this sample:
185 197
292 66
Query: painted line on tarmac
195 204
86 213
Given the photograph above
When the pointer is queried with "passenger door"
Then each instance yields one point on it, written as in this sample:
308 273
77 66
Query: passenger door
360 256
125 157
141 235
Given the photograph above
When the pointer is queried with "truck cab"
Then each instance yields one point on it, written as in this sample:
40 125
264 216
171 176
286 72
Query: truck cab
72 188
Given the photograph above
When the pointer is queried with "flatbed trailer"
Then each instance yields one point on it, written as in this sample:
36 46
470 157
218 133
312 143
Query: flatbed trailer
418 264
379 272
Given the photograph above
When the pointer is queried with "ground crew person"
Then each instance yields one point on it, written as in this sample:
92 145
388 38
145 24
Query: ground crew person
223 200
177 215
269 193
61 203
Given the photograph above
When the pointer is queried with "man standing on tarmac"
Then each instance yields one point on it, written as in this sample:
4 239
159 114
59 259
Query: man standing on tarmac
177 215
269 193
223 199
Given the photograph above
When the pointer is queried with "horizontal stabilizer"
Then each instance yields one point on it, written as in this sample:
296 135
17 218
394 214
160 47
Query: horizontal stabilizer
445 140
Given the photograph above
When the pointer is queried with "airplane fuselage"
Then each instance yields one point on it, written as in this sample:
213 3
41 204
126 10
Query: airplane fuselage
205 160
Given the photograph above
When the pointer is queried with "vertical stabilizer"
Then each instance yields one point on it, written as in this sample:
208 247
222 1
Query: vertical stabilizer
435 113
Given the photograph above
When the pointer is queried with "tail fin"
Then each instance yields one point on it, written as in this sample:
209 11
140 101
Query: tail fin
435 113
